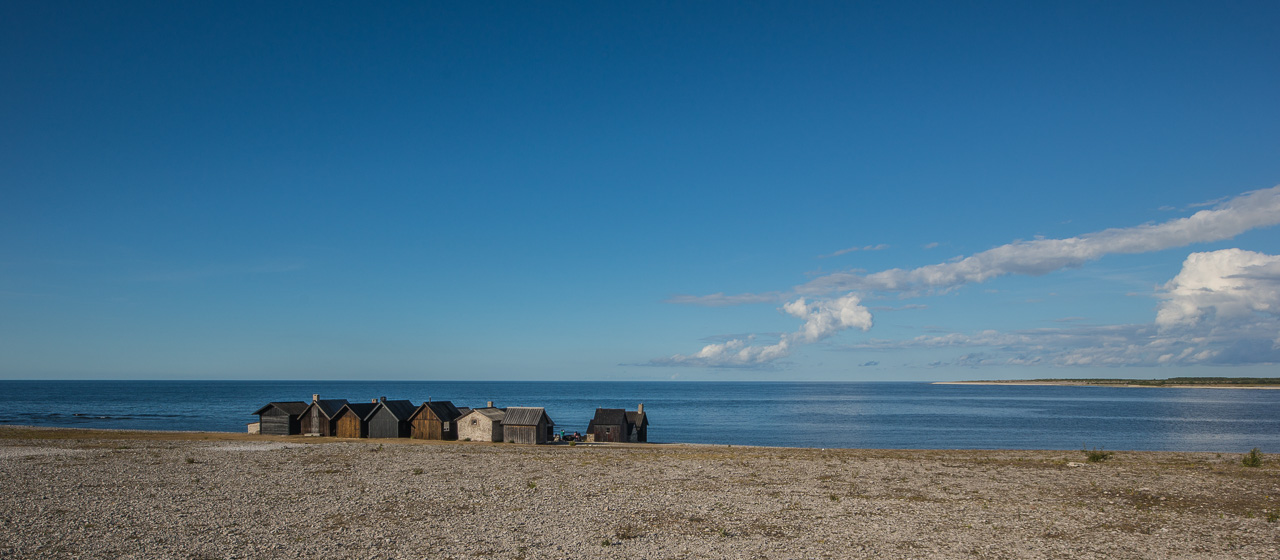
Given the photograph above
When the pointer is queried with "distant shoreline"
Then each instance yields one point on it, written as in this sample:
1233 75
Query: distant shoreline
1174 383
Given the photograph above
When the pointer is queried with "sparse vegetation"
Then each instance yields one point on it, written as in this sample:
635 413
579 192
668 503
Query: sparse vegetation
1096 455
417 471
1253 458
532 485
191 460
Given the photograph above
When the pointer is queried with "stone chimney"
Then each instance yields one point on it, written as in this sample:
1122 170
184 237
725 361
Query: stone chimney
383 399
490 405
315 397
640 409
374 401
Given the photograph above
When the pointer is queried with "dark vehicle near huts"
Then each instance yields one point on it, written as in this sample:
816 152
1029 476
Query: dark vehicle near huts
390 419
350 422
435 420
318 418
527 424
616 425
281 418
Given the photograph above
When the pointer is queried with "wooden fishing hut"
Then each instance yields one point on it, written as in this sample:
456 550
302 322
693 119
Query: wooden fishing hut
608 425
481 424
617 425
390 419
318 418
281 418
637 425
527 424
435 420
349 422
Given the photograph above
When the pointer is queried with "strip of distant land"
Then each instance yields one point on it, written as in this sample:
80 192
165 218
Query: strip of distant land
1174 382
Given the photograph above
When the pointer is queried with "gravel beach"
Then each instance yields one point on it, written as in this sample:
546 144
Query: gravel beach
90 494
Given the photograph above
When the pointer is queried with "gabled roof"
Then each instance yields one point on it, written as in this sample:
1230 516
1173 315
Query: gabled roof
525 416
328 407
443 410
610 416
636 417
495 414
292 408
463 411
401 410
361 409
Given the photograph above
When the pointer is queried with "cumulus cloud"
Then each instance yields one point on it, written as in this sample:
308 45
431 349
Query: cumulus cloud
822 319
1041 256
1226 285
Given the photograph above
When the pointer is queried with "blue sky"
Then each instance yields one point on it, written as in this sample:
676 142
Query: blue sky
700 191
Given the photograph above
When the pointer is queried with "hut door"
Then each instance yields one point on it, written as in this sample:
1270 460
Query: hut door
315 422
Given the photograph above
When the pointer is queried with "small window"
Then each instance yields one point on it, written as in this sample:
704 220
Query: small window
446 426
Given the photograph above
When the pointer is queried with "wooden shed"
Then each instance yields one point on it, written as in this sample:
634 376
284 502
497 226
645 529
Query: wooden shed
318 418
637 425
349 422
481 424
390 419
435 420
609 425
527 424
280 418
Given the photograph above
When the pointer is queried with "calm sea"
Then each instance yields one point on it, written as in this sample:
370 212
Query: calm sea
849 415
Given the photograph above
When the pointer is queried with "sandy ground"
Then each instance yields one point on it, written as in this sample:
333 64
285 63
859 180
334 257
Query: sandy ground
85 494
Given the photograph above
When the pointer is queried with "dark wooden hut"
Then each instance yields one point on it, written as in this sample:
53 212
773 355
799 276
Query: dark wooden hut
526 424
637 425
280 418
350 422
481 424
318 418
616 425
609 425
435 420
390 419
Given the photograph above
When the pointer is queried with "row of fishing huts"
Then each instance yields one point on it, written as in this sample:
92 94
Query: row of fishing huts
438 420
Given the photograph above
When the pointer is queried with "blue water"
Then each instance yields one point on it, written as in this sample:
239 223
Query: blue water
849 415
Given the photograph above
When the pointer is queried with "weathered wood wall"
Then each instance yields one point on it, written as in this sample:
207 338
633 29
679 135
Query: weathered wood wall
525 434
612 433
277 422
314 422
383 424
349 425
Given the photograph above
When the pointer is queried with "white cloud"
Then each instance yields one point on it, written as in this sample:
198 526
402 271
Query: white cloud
719 299
879 247
1226 285
1041 256
825 318
1222 308
822 319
